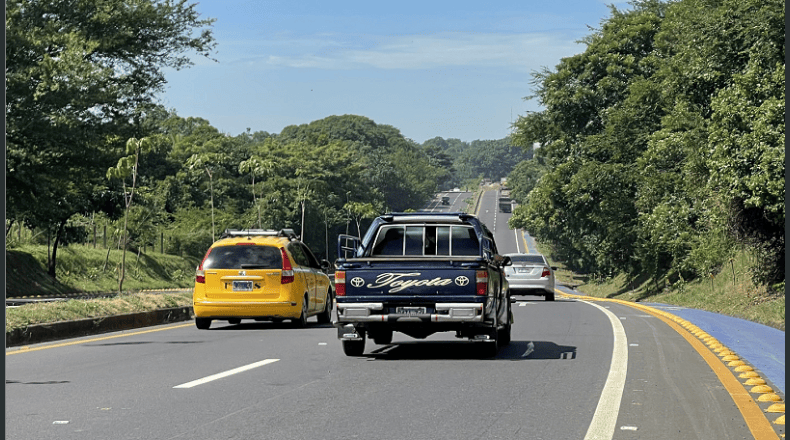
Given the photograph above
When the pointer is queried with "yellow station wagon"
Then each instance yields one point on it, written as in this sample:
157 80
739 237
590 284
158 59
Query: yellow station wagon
263 275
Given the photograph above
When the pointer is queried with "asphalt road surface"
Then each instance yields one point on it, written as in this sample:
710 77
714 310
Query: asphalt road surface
576 369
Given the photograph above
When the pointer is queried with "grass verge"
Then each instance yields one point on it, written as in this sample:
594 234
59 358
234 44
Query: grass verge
82 268
57 311
730 292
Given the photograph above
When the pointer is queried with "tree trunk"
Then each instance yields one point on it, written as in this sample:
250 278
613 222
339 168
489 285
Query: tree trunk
54 259
211 186
106 259
8 227
123 251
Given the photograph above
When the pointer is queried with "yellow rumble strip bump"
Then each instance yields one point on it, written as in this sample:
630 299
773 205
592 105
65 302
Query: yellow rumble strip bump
762 389
776 408
780 421
730 357
755 381
769 397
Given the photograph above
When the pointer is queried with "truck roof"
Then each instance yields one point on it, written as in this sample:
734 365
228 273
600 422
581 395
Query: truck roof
427 216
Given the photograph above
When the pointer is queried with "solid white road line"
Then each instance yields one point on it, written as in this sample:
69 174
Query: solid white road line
605 418
225 374
518 248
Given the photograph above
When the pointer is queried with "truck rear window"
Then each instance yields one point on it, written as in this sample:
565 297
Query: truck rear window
244 257
422 240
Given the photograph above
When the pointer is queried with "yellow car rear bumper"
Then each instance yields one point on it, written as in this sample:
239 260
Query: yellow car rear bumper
247 309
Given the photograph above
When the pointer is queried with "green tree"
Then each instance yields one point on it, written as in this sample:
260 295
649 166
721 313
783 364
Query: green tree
360 211
256 167
128 166
596 123
74 91
208 163
523 179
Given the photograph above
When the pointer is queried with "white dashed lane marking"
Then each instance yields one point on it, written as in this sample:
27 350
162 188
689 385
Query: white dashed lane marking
213 377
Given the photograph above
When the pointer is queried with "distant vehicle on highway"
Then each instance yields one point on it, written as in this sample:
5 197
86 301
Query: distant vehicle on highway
445 200
530 274
505 204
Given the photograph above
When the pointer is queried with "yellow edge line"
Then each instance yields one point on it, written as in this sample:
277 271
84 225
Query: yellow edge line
757 422
526 245
27 349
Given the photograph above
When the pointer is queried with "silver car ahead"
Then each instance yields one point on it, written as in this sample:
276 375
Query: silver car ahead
530 274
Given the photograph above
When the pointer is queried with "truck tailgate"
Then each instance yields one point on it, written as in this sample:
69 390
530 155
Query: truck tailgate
411 285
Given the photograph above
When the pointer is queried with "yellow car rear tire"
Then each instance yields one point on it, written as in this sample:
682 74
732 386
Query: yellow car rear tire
326 316
301 321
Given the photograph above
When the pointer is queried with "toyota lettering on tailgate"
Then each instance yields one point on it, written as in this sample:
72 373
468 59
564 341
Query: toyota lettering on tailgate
400 281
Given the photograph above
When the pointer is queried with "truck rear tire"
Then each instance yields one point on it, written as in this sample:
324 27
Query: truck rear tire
504 336
490 348
382 337
354 348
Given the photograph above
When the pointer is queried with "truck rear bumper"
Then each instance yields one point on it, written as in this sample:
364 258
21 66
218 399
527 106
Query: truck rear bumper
445 312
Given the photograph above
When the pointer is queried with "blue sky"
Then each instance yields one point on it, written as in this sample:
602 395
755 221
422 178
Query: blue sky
455 69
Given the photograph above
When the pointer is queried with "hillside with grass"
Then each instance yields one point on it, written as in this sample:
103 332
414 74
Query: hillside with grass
84 269
729 292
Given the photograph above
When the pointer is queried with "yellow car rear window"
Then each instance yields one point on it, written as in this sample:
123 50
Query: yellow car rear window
244 257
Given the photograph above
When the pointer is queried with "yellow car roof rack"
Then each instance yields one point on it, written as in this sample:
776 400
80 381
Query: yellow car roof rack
259 232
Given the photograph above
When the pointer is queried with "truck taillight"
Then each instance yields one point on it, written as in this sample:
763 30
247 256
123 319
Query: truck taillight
340 283
288 270
481 281
546 272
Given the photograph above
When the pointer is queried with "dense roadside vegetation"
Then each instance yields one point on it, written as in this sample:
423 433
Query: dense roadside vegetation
92 156
656 165
661 154
730 292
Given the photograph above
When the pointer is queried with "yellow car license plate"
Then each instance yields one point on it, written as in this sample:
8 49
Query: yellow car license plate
242 286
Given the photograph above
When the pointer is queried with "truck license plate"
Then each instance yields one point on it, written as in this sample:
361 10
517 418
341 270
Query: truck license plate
242 286
411 311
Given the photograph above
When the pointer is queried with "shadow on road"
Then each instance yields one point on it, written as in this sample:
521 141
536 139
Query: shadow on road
464 350
264 325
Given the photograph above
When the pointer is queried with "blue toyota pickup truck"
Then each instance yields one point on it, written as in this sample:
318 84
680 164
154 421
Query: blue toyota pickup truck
418 274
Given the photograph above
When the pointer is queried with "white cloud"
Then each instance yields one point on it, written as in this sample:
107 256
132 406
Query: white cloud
525 51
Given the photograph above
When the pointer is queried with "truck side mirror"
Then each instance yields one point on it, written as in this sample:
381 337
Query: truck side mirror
502 261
